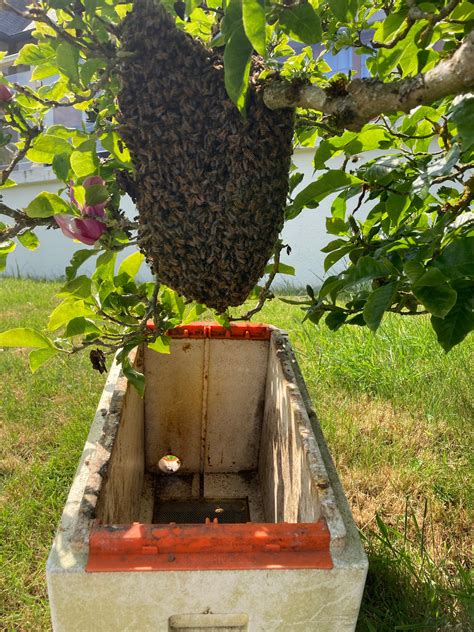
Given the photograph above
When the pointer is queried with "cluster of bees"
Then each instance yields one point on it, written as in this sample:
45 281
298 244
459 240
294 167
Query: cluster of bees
211 184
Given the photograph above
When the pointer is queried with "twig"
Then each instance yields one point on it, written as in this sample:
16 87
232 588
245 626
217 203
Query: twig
450 176
151 308
265 293
22 222
39 15
391 131
463 201
94 89
415 14
20 154
309 121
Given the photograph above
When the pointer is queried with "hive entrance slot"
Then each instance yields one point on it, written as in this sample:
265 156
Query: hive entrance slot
197 510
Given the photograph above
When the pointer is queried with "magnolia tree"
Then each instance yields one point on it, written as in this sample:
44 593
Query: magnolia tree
193 110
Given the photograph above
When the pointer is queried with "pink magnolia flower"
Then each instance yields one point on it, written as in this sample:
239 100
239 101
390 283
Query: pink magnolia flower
88 229
6 94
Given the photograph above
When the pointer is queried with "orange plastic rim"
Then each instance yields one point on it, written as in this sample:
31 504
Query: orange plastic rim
236 331
211 546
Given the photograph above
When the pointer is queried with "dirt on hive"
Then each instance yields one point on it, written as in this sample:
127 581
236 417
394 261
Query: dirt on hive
211 185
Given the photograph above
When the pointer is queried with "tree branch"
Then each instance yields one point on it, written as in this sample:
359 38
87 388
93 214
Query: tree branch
463 202
265 292
20 154
365 99
93 90
415 14
22 222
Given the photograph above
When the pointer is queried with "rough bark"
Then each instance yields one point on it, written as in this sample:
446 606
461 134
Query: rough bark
362 100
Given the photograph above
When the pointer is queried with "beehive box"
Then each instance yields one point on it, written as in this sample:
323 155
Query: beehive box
253 532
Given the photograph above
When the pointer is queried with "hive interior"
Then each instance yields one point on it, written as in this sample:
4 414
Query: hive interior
229 411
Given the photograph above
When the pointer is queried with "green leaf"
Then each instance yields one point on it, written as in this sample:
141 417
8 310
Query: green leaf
35 54
131 265
301 23
133 376
338 207
193 312
7 246
396 206
66 311
377 303
161 344
455 326
295 180
67 59
253 16
89 68
367 268
408 59
323 153
78 258
84 160
336 226
237 55
432 290
330 182
232 18
372 137
43 71
55 91
81 326
46 147
358 320
336 255
414 270
46 204
457 259
8 184
114 144
331 286
463 116
62 166
283 268
29 240
96 194
335 320
339 8
24 337
38 357
389 26
78 287
105 266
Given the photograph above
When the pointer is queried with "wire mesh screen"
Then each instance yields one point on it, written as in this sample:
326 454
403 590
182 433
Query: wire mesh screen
196 510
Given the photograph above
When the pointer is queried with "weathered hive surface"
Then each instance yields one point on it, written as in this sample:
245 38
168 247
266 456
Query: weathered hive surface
211 186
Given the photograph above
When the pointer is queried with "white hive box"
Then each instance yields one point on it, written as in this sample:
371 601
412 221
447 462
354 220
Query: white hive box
252 533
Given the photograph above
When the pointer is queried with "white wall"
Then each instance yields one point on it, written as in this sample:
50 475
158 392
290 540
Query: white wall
306 234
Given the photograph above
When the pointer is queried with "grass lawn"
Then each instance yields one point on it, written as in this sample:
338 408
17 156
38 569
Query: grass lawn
397 413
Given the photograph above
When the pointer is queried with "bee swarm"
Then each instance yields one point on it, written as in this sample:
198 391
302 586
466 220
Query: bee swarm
211 185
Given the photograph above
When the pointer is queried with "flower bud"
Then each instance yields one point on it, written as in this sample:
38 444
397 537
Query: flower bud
6 94
90 181
87 231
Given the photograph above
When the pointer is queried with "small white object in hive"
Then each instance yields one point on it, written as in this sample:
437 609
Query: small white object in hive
169 464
